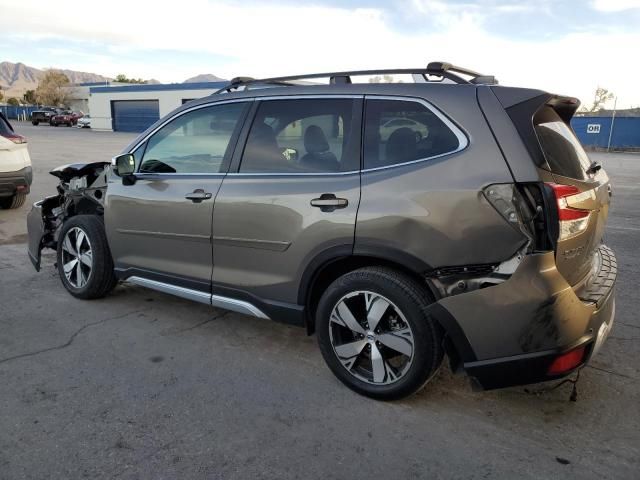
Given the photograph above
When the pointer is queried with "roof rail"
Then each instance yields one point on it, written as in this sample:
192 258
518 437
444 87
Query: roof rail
439 69
442 68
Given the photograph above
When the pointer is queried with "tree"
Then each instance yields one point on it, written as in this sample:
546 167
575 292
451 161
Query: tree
1 96
13 101
53 88
601 96
122 78
29 97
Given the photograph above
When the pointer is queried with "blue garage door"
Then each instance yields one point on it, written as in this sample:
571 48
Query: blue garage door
134 115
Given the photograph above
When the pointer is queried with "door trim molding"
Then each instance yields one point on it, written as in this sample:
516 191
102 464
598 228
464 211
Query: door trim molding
273 245
177 236
235 305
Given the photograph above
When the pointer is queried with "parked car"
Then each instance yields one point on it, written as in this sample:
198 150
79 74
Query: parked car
66 117
15 166
390 126
84 122
43 115
481 239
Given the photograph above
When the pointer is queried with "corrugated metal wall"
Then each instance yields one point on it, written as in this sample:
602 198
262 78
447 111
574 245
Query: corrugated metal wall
13 112
594 132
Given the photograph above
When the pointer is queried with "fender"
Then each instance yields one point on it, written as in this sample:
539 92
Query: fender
347 251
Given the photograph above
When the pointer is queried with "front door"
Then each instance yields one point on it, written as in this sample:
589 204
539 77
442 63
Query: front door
293 194
159 228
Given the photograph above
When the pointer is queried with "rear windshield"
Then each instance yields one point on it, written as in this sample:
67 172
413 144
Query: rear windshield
5 128
561 148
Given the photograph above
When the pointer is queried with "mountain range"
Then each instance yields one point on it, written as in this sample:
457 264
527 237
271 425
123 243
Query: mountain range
17 78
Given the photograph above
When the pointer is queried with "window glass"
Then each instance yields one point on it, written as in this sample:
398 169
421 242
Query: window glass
301 136
561 148
5 127
195 142
398 131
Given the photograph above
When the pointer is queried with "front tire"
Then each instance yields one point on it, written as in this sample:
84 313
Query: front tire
84 262
15 201
375 335
35 123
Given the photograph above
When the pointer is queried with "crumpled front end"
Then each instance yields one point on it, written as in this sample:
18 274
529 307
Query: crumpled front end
81 190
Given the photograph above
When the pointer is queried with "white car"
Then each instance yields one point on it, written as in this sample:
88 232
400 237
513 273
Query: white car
84 122
387 128
15 166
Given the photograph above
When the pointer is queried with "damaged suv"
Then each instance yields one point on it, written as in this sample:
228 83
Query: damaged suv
399 222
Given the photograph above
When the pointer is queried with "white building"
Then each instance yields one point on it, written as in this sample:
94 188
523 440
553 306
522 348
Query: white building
79 93
132 108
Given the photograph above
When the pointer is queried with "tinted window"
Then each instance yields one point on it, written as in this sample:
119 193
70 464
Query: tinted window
561 148
399 131
195 142
5 127
301 136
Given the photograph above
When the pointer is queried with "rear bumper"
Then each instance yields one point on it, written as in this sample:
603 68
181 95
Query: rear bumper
510 334
12 182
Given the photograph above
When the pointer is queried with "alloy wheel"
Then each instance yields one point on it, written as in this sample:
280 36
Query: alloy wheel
77 257
371 338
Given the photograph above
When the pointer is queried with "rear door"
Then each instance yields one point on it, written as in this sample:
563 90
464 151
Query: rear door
291 196
160 227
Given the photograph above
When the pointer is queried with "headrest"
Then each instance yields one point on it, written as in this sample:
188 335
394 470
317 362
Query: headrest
315 140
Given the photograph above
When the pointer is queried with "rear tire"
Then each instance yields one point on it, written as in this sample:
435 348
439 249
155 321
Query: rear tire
84 260
35 123
16 201
394 347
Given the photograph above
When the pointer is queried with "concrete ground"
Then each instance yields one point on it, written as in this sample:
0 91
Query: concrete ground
144 385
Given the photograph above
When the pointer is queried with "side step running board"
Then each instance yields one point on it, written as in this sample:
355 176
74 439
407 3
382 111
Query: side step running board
218 301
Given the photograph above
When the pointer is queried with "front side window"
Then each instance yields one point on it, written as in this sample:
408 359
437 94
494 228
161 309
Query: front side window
195 142
398 131
301 136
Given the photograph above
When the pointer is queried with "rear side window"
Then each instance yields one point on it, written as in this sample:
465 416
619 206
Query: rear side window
399 131
561 148
302 136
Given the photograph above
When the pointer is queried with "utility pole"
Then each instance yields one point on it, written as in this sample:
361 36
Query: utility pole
613 119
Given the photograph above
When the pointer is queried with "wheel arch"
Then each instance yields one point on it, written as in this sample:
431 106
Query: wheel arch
331 264
334 262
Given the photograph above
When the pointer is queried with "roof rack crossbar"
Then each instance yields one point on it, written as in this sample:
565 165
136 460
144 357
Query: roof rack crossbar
439 69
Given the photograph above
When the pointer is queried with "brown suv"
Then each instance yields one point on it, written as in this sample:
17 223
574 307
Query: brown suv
400 222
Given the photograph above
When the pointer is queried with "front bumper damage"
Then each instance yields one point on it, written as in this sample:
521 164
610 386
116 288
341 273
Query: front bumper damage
509 334
81 190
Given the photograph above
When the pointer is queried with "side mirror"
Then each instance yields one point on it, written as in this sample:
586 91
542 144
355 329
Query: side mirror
124 164
125 167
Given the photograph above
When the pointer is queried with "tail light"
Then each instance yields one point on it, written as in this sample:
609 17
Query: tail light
567 361
573 221
15 138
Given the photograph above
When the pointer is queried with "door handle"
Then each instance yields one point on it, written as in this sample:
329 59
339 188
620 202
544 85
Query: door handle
198 196
328 202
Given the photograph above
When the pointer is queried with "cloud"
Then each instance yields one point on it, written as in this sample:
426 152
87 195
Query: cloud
615 5
148 39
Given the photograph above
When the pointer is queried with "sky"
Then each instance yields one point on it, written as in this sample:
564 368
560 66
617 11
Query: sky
566 47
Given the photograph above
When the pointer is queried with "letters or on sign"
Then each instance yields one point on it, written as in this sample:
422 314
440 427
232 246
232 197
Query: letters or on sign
593 128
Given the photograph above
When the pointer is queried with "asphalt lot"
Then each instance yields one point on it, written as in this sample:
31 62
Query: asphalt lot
144 385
